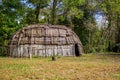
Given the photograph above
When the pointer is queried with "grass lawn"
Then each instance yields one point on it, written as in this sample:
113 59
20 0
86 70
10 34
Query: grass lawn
86 67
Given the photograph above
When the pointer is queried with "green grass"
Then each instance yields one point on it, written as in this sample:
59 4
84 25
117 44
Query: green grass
86 67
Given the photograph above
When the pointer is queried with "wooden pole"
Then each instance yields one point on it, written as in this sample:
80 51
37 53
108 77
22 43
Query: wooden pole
30 49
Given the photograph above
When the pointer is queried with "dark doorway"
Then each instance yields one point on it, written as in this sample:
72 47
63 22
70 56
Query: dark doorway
77 53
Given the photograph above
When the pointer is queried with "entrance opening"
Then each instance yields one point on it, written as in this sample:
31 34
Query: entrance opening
77 53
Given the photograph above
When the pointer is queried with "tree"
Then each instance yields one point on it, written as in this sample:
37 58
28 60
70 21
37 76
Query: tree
111 10
10 13
68 10
33 13
54 13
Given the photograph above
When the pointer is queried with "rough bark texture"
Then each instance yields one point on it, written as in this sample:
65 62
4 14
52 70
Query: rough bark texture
44 40
54 16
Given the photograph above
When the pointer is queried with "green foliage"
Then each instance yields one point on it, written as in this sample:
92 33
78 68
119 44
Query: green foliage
10 11
77 14
111 9
3 51
33 15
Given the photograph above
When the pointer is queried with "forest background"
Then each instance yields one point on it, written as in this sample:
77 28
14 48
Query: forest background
96 22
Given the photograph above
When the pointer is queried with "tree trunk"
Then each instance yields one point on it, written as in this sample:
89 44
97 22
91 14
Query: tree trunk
37 12
54 16
117 37
54 13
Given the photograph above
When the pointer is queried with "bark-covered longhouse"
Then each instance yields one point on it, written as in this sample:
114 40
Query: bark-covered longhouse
45 40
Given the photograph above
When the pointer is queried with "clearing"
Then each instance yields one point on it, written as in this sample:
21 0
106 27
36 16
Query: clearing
86 67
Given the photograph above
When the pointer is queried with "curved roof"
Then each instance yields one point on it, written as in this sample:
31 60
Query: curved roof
45 34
